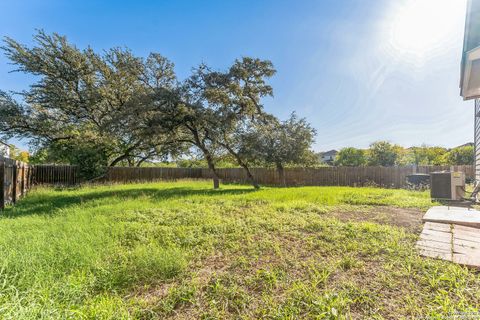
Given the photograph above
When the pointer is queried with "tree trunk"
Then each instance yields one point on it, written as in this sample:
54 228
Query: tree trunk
213 170
140 162
281 174
208 157
243 165
250 176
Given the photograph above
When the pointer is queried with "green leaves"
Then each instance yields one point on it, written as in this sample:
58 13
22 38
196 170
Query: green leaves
86 98
461 156
351 157
115 108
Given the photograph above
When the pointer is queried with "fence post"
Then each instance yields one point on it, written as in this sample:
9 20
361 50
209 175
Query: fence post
2 184
14 182
22 184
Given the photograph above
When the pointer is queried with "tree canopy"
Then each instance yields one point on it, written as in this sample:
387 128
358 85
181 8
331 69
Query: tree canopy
460 156
351 157
115 108
383 153
84 98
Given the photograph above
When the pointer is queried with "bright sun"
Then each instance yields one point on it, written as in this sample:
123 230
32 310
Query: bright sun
420 27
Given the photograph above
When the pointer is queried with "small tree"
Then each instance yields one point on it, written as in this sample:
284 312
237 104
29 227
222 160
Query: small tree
351 157
461 156
425 155
382 153
404 156
281 143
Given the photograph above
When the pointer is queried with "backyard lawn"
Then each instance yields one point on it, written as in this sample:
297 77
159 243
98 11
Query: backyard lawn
182 250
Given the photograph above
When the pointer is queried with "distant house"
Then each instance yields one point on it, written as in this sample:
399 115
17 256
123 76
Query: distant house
329 156
4 149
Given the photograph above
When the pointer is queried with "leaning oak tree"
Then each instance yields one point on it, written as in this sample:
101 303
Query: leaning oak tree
182 114
207 111
234 98
233 137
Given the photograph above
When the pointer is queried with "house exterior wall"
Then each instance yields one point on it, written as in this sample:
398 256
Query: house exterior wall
471 41
477 140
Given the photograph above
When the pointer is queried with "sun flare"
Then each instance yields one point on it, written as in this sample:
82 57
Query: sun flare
419 27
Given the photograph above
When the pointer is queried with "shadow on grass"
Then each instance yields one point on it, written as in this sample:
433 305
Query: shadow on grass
49 204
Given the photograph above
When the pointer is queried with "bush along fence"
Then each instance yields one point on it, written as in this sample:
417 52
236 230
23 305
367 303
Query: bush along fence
16 178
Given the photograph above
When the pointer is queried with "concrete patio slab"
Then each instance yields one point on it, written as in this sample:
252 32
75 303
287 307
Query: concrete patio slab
452 234
453 215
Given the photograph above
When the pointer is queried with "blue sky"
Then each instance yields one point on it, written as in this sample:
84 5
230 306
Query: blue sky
358 70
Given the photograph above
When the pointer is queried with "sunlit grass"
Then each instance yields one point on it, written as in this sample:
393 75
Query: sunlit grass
183 250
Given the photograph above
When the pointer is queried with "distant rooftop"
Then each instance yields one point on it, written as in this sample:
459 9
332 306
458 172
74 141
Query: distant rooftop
329 153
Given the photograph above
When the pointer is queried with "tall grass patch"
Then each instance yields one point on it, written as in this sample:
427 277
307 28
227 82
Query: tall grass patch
182 249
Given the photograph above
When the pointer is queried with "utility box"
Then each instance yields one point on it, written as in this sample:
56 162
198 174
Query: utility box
418 180
447 185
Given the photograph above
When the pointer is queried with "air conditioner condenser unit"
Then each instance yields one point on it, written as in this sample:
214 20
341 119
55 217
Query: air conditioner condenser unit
447 185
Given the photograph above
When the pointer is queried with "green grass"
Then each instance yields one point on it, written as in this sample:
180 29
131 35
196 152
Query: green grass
182 250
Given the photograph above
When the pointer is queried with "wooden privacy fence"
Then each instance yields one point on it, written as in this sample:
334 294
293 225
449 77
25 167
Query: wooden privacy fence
15 180
55 174
389 177
129 174
17 177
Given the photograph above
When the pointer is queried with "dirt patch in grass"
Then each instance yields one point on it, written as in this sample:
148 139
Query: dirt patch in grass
410 219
